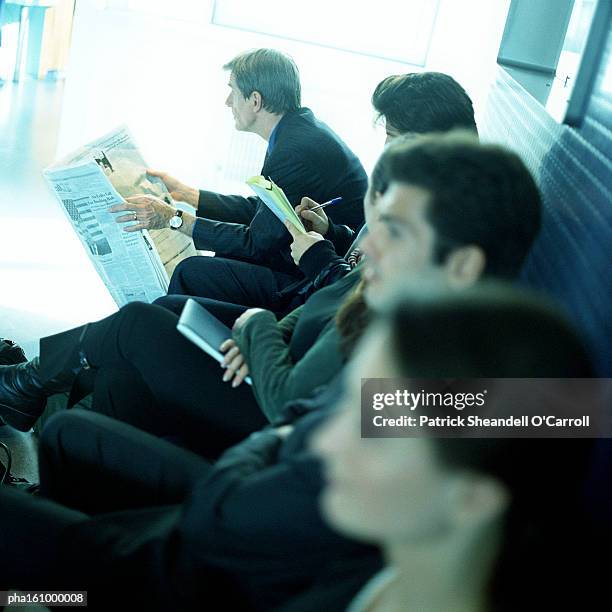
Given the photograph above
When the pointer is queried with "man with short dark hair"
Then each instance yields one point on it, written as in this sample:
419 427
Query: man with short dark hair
304 157
454 209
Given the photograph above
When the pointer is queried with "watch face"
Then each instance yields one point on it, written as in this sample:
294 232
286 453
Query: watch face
176 222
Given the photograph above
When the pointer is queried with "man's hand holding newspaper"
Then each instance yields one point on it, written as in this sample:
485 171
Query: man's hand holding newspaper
149 212
134 264
179 191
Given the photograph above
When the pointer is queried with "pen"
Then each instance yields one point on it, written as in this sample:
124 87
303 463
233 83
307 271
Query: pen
328 203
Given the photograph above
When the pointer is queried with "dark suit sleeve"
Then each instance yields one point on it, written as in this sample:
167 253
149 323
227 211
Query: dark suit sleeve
261 240
322 265
341 236
230 208
295 176
258 242
244 228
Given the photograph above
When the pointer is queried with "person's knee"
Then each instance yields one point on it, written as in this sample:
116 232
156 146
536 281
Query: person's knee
139 314
200 275
173 303
183 273
74 424
70 441
136 310
56 428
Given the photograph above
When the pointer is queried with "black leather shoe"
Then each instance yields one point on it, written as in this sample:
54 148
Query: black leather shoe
11 352
23 396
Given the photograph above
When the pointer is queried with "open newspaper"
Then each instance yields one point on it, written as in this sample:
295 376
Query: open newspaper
127 262
118 156
134 266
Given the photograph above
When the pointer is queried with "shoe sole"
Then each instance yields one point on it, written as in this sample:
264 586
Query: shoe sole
23 421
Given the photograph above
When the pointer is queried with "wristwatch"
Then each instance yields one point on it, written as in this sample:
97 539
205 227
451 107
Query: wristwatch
176 220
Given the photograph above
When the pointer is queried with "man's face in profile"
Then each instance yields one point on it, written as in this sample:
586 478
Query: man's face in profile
242 108
400 244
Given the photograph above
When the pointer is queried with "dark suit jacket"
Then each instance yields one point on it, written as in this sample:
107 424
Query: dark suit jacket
307 159
250 534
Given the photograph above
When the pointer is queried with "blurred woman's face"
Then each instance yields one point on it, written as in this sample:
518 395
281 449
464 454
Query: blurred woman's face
379 489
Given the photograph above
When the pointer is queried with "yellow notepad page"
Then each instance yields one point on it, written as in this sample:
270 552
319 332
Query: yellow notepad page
276 200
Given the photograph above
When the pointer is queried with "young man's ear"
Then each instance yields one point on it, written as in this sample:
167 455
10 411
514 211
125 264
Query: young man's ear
465 265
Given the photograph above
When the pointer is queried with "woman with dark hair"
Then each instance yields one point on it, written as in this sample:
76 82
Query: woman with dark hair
436 103
408 105
466 524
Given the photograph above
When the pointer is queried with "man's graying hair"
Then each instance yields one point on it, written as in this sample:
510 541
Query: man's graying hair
273 74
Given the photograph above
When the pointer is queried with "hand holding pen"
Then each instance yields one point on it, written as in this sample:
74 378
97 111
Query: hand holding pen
328 203
313 216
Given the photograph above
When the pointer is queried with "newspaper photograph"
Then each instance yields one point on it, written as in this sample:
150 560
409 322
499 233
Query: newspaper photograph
127 262
119 158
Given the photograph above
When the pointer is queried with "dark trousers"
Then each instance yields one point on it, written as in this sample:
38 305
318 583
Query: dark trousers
95 464
224 311
233 282
147 374
91 465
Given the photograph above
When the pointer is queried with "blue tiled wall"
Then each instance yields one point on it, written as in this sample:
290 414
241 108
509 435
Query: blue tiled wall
572 259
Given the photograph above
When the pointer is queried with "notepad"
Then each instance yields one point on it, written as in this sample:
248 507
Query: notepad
276 200
204 330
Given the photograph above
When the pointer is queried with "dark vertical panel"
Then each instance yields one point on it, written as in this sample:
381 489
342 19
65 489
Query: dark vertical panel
572 259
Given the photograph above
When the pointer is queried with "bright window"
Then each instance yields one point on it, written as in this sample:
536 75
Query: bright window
187 10
388 29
